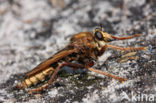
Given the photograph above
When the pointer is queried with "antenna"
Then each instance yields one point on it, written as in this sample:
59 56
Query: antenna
101 27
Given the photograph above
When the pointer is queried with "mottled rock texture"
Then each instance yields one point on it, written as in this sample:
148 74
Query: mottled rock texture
33 30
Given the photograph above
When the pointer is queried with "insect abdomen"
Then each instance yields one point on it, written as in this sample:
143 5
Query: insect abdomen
33 80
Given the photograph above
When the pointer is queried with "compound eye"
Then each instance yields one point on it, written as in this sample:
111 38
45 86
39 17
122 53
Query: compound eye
98 35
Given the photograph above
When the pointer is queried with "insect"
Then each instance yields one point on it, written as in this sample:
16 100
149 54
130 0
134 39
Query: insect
85 48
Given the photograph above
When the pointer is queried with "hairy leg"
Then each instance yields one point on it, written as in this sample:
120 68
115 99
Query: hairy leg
127 48
54 74
124 38
107 74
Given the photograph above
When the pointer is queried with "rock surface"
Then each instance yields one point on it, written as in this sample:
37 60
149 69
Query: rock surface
33 30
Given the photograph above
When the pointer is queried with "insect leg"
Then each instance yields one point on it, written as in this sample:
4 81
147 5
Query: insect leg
64 64
124 38
107 74
49 82
54 74
127 48
102 50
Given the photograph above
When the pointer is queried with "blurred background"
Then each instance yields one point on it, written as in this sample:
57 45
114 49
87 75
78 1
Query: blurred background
33 30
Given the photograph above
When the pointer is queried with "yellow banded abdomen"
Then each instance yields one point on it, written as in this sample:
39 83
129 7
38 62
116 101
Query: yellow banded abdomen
33 80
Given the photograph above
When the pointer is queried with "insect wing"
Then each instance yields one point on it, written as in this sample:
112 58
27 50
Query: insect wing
50 61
